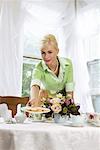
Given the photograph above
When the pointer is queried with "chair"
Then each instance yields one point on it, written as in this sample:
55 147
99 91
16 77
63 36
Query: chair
13 101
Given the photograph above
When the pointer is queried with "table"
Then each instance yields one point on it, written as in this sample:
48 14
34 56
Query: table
48 136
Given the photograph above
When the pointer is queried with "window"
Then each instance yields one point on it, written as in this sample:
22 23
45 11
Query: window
28 66
31 57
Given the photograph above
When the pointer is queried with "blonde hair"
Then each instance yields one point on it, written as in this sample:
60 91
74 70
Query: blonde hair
49 39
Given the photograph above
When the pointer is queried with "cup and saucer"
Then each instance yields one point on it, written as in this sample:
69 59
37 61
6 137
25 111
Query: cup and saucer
96 121
76 121
97 124
93 119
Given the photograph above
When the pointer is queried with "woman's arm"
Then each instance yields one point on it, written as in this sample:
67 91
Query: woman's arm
34 100
70 83
35 92
38 96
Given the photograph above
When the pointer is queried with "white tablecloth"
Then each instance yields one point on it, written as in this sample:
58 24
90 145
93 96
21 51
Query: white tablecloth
48 136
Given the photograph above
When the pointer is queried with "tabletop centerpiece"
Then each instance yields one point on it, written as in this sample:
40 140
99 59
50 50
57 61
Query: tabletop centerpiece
61 106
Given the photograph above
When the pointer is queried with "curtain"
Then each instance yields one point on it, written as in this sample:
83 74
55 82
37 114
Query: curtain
11 52
82 46
59 18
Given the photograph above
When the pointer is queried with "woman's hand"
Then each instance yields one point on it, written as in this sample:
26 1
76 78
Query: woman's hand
69 95
34 102
43 95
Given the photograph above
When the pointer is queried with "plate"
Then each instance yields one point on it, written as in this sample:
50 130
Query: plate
77 125
37 120
35 110
71 124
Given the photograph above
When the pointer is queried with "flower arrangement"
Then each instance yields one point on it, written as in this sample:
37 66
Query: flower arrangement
61 105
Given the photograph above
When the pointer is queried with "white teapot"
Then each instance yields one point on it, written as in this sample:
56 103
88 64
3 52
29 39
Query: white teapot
20 116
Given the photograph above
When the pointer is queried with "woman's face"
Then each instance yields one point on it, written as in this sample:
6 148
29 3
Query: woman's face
49 54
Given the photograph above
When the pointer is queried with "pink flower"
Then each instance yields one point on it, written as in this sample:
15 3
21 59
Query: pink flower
67 102
72 101
56 107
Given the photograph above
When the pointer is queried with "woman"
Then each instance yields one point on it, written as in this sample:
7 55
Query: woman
52 75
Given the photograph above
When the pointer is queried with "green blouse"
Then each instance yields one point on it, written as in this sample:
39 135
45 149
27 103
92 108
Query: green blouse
46 79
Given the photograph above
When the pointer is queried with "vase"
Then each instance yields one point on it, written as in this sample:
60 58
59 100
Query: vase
58 118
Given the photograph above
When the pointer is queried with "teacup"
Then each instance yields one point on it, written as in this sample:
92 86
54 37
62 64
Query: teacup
97 118
79 119
93 117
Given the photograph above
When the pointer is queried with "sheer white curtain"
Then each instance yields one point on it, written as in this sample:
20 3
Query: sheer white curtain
84 45
82 49
92 47
82 92
11 53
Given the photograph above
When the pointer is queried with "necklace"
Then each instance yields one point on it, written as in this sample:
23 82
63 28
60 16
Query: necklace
56 69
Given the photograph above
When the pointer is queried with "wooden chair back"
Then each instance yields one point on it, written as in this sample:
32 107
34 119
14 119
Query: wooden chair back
13 101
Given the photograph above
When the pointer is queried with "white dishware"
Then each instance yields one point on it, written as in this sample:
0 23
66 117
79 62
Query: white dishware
3 110
35 117
78 120
93 117
8 116
35 110
1 120
96 124
20 117
97 118
5 113
75 122
60 119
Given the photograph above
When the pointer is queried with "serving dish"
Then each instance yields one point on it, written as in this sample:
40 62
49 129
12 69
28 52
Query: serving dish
35 110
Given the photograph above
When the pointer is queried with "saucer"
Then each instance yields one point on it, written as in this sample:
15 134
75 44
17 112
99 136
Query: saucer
77 124
72 124
35 110
96 124
36 120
